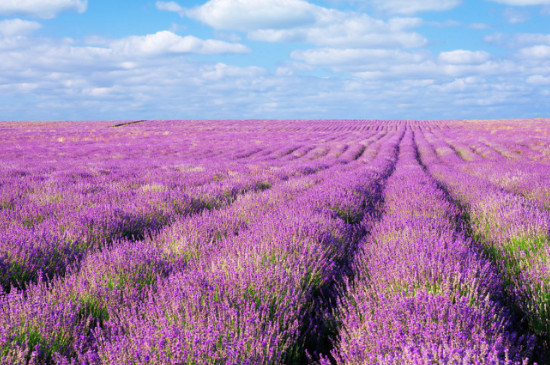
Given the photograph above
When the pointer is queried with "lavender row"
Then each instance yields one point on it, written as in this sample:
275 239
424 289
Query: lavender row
182 237
40 237
253 297
421 292
530 180
96 292
120 274
43 237
515 233
517 174
518 170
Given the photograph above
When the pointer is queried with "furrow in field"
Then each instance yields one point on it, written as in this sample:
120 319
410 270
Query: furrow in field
530 179
353 152
420 291
477 148
372 148
119 276
246 300
320 325
109 271
299 153
442 150
39 238
318 152
515 235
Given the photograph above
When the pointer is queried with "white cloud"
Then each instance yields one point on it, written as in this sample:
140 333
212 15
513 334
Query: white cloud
246 15
395 64
300 21
170 6
221 71
535 52
479 26
41 8
462 85
446 23
361 31
414 6
364 58
499 39
463 57
164 42
523 39
32 58
14 27
538 80
430 69
523 2
515 16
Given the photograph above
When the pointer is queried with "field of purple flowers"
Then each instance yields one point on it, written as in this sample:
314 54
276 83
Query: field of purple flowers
275 242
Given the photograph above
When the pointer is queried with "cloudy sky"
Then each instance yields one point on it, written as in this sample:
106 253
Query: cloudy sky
191 59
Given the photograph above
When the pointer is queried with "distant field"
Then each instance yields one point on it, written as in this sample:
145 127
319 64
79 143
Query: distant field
275 242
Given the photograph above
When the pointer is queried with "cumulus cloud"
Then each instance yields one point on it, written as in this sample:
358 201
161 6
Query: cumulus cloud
301 21
464 57
406 65
26 56
167 42
535 52
461 84
170 6
41 8
14 27
359 31
246 15
221 71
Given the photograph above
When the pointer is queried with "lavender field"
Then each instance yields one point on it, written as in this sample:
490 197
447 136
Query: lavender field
275 242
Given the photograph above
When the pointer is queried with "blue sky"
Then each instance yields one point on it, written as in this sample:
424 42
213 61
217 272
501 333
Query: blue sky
240 59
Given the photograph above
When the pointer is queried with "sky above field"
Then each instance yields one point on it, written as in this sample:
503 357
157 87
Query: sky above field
237 59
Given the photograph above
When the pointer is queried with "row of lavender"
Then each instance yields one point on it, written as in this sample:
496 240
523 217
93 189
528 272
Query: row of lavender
277 215
119 189
514 163
56 320
513 228
421 291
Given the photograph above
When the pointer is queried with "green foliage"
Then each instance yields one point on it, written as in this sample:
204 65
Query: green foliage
92 308
30 337
264 185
